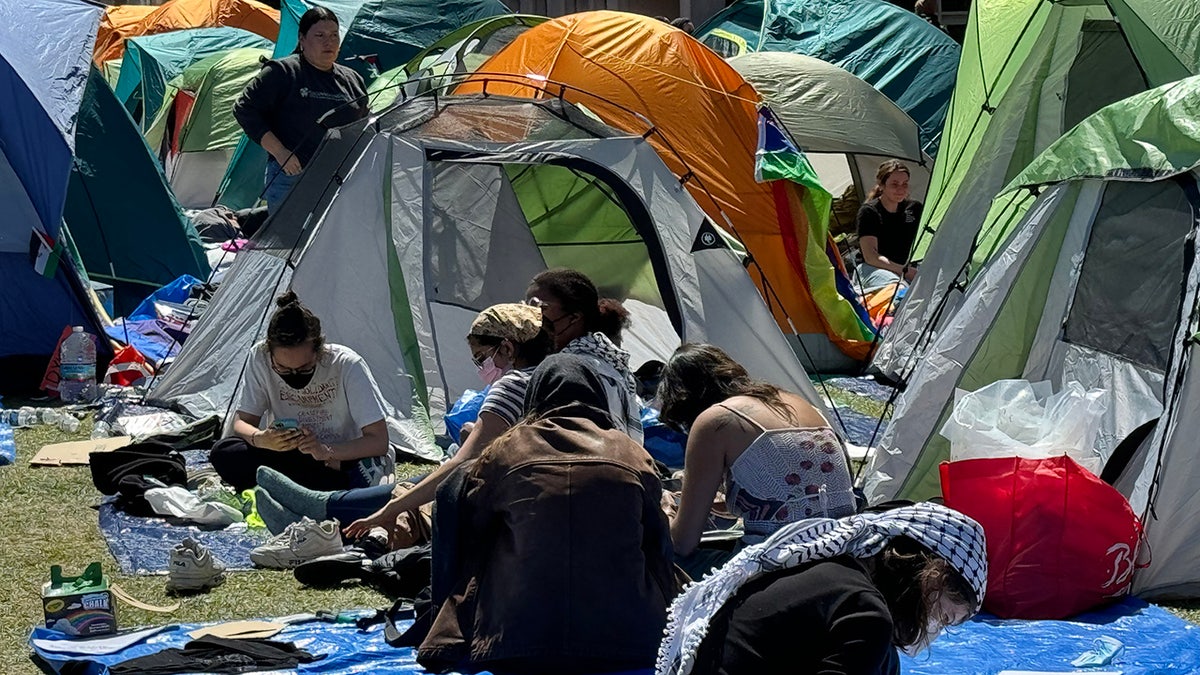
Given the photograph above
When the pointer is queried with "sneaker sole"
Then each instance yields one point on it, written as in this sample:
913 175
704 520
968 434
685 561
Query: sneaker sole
189 585
286 559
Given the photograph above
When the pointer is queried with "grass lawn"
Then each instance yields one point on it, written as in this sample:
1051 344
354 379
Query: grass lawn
50 519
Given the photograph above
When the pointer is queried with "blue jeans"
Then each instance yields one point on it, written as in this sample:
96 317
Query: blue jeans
277 185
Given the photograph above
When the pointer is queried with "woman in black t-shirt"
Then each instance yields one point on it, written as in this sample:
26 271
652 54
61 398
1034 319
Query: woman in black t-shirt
887 226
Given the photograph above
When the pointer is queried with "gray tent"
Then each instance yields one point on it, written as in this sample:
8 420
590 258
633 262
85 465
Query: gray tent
1093 280
406 225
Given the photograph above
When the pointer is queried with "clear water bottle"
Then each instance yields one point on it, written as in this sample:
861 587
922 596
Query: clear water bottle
27 417
77 367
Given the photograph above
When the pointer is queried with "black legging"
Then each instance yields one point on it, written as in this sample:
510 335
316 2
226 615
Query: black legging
237 462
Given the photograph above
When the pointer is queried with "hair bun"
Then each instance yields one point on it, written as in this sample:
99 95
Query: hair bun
288 298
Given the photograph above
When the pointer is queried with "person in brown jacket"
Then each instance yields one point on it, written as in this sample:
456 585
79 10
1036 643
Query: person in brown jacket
562 562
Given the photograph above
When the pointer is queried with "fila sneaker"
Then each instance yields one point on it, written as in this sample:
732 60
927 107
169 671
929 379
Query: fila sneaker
299 542
193 567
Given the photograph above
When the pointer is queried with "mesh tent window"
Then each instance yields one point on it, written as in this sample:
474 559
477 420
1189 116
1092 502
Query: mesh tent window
1130 286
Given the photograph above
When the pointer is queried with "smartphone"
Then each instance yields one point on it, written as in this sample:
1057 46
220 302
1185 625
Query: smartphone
288 423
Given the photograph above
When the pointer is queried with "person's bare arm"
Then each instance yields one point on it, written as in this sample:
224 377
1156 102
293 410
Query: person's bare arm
870 252
704 469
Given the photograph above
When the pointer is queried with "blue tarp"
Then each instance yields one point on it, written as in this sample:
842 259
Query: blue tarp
1156 642
177 291
346 649
142 546
8 445
147 336
858 428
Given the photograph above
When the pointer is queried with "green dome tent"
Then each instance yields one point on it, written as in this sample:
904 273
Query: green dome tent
195 133
1093 280
151 61
1031 70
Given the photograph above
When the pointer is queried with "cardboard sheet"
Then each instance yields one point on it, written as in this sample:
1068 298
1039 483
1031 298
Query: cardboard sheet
75 453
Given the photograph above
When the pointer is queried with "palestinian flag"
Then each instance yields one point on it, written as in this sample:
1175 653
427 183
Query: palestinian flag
44 253
778 158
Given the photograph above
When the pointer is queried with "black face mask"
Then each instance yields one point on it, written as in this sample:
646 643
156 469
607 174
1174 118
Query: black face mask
297 380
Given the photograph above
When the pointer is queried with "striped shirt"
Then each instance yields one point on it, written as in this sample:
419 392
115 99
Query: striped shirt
506 398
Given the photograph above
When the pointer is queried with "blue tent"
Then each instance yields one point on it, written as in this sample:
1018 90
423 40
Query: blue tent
897 52
45 57
151 61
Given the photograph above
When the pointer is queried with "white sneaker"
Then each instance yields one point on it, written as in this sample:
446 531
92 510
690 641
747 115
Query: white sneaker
193 568
298 543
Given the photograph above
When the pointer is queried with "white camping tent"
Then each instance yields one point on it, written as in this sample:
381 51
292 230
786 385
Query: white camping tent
406 225
1094 281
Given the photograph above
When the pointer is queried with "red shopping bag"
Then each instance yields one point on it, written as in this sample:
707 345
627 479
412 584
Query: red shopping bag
1060 541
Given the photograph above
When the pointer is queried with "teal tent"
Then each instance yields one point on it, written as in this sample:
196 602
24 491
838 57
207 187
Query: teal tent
150 61
897 52
458 53
129 231
377 35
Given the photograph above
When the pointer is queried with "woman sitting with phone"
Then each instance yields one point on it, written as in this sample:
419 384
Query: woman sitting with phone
329 430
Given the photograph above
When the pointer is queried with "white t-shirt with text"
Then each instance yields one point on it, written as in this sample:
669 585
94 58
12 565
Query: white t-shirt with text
336 404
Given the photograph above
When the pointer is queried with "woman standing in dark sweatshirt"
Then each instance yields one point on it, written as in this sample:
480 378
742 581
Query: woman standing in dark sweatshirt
280 107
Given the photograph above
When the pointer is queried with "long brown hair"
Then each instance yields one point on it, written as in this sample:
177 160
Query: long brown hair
885 171
913 580
699 376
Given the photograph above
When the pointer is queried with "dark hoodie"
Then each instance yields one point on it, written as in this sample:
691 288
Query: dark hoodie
568 553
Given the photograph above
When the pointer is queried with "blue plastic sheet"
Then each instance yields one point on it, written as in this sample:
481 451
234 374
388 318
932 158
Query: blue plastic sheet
1156 642
176 291
146 336
662 442
465 409
346 649
142 546
858 428
862 386
8 445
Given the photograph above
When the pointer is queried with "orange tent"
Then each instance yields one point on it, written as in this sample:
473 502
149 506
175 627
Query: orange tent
706 116
125 21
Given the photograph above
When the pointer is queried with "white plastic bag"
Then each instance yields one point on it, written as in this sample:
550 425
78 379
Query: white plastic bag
1016 418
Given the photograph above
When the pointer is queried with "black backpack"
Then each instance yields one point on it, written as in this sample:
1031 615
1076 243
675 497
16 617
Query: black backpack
129 471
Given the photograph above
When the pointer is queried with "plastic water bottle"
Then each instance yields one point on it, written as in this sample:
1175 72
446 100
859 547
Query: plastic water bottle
77 367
